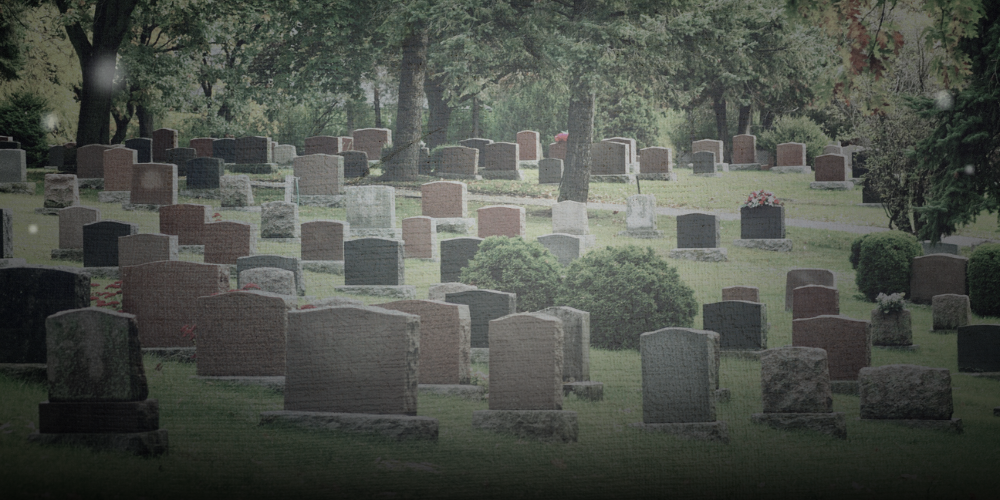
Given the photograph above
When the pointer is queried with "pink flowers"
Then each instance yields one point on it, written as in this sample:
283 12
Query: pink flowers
762 199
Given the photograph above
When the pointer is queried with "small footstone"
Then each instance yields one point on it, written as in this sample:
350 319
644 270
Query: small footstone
700 431
545 425
700 254
591 391
395 427
769 244
827 423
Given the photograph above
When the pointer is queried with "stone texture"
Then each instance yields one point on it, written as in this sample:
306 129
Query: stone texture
905 392
529 146
815 300
846 340
324 239
501 156
241 334
551 425
163 139
269 279
227 241
892 329
557 150
444 199
656 160
374 261
939 247
439 290
484 306
392 427
284 154
89 161
791 154
641 212
370 207
698 230
324 144
748 293
740 324
352 359
679 367
937 274
704 162
700 254
143 146
154 184
420 238
61 191
355 163
795 278
186 221
254 149
979 348
565 247
550 171
279 219
455 255
460 160
501 220
290 264
795 380
831 168
576 342
445 339
609 158
371 141
205 172
163 297
763 222
202 147
526 354
235 191
950 311
71 222
710 145
100 241
744 149
119 164
224 149
570 217
28 295
320 174
142 248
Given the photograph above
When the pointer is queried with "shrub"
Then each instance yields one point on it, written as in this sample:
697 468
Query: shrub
517 266
628 291
21 117
795 129
856 250
884 263
984 287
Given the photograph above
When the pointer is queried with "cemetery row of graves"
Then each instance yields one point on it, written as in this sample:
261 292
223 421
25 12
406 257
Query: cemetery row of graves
357 361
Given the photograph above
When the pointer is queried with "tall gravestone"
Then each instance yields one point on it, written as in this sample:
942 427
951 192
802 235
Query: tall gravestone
28 295
445 333
420 238
163 139
119 164
529 147
741 325
744 149
71 222
186 221
372 141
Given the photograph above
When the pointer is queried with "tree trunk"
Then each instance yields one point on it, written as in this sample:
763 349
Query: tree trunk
409 114
743 126
439 113
145 117
475 116
766 119
575 184
121 123
378 106
721 127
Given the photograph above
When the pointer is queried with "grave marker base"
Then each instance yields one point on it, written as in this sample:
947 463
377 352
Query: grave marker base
466 391
800 169
324 266
700 431
390 233
614 178
700 254
239 209
833 424
953 425
591 391
544 425
657 177
716 174
205 194
742 353
832 185
911 347
146 207
18 187
395 291
645 234
150 443
395 427
15 262
446 175
990 375
29 372
769 244
114 196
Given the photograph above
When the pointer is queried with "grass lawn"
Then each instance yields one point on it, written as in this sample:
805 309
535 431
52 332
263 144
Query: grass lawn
218 451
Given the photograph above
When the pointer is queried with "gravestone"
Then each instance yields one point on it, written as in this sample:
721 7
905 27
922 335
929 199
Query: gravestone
142 248
100 241
501 161
154 184
460 160
186 221
905 392
748 293
633 153
762 222
529 147
609 158
290 264
698 230
163 296
444 199
526 362
796 392
704 163
939 247
831 168
253 150
815 300
802 277
565 247
324 144
324 239
833 149
71 222
55 157
284 154
371 211
744 149
640 217
894 329
13 166
279 219
445 331
61 191
439 290
846 340
355 164
791 154
319 174
269 280
373 261
950 311
202 147
180 157
420 238
90 161
570 217
576 342
557 150
657 163
550 171
143 147
455 255
372 141
241 334
501 220
227 241
711 146
119 164
979 348
224 149
937 274
6 234
28 295
235 191
484 306
204 173
163 139
740 324
480 145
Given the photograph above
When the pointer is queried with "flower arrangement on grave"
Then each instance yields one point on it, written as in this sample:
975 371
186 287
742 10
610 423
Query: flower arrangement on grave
889 304
762 198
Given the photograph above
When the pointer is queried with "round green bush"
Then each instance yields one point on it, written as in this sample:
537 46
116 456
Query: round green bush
517 266
984 287
884 263
628 291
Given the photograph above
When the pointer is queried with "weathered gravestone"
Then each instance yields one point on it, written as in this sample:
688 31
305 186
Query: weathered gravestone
241 334
570 217
704 163
846 340
550 171
640 217
915 396
154 184
268 279
319 174
529 146
795 389
795 278
741 325
484 306
893 329
937 274
224 149
371 211
227 241
61 191
445 331
186 221
202 146
253 150
950 311
163 139
143 146
748 293
290 264
374 261
833 149
235 191
71 222
100 241
501 220
372 141
180 157
420 238
279 219
204 173
142 248
28 295
355 164
815 300
324 239
979 348
455 255
284 154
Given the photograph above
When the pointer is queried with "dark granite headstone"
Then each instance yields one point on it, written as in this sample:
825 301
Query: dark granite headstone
254 149
180 157
763 222
10 145
225 149
484 305
740 324
373 261
979 348
456 254
100 241
144 148
204 173
287 263
55 158
698 231
6 234
355 163
28 295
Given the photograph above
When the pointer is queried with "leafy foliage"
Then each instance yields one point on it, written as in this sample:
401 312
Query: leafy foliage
884 263
628 291
984 287
856 250
795 129
517 266
21 117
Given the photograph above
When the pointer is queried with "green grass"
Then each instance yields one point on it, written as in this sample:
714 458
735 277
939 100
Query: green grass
218 451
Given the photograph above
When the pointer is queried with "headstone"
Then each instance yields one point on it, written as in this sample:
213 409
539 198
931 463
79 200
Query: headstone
576 342
846 341
119 164
202 147
420 238
204 173
763 222
439 290
373 261
279 219
678 375
269 279
795 380
633 153
142 248
815 300
154 184
791 154
526 355
355 164
501 156
529 147
71 222
565 247
143 147
740 324
906 392
557 150
894 329
253 149
747 293
100 241
227 241
704 162
484 306
444 199
445 331
937 274
698 230
640 217
371 141
501 220
950 311
371 207
833 149
224 149
241 334
711 146
570 217
284 154
163 295
979 348
609 158
831 168
319 174
802 277
89 161
332 367
479 144
61 191
744 149
235 191
656 160
455 255
324 239
324 144
186 221
939 247
180 157
290 264
28 295
6 234
55 157
163 139
460 160
550 171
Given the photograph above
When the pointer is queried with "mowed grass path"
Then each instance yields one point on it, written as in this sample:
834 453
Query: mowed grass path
218 451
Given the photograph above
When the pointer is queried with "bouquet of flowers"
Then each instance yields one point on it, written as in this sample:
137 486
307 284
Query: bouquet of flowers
890 303
762 199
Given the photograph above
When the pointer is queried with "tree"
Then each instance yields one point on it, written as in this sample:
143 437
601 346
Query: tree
409 117
12 28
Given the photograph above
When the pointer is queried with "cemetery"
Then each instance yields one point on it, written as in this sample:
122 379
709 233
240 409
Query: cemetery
233 303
